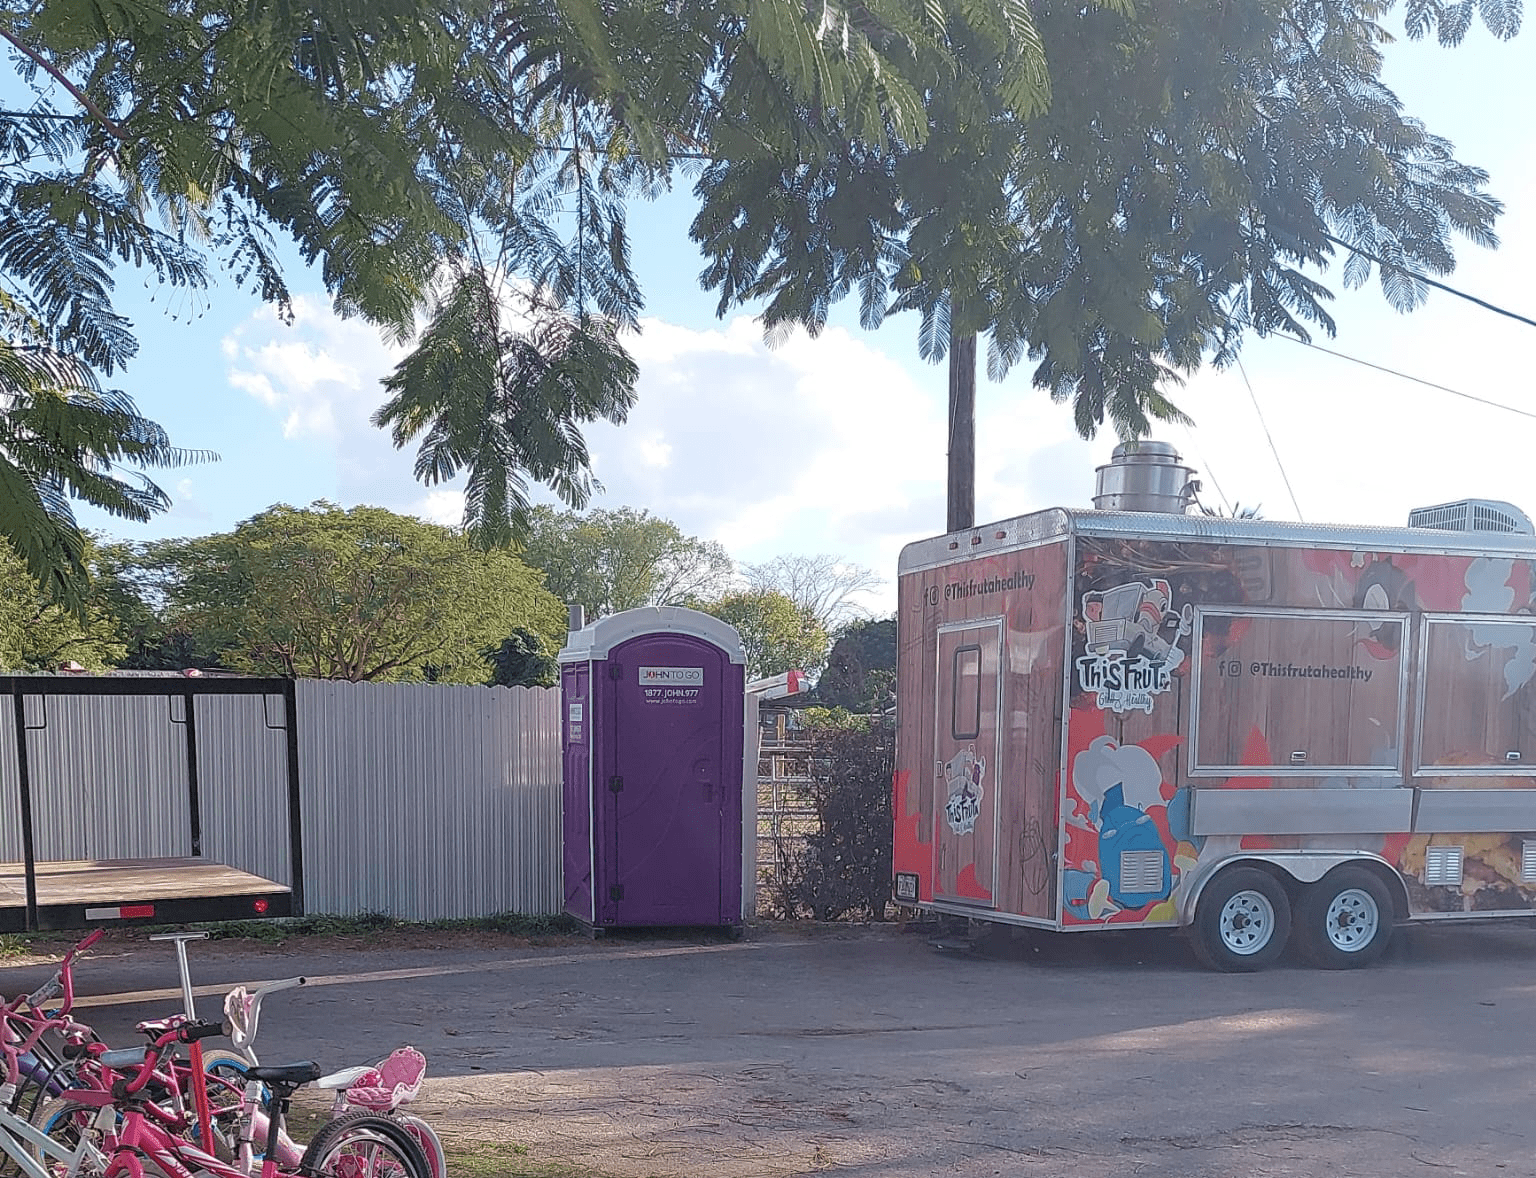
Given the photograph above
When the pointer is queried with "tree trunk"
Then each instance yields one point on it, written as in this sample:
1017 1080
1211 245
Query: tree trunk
962 432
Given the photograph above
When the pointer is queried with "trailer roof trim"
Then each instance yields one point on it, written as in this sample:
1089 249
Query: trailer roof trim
1027 530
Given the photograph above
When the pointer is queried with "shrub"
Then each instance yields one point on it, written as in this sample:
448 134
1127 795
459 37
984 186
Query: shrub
844 869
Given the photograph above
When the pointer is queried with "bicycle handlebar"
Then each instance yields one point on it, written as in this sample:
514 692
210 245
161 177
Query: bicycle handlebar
186 1033
243 1029
63 980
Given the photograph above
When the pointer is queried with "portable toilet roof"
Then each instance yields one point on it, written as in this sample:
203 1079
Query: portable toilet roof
597 639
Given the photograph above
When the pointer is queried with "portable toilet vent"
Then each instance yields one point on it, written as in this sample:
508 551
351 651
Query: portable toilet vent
1145 476
1472 515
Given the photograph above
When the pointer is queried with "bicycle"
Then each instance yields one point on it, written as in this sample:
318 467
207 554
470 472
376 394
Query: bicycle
75 1065
380 1089
361 1145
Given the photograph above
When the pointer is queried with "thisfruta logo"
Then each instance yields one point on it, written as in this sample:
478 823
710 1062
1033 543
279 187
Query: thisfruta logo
1121 684
1131 644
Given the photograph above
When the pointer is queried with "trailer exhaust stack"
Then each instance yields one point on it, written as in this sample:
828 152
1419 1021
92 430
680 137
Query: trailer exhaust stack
1145 476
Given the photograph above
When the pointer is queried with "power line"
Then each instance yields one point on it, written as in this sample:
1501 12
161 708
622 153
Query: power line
1206 466
1428 281
1287 478
1404 375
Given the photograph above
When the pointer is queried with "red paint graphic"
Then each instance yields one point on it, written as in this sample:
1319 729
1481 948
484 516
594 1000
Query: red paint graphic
969 886
907 852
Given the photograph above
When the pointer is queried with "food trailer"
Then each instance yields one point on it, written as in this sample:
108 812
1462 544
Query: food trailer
1139 716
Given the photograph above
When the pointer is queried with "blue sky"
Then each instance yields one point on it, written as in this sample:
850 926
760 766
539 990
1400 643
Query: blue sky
837 445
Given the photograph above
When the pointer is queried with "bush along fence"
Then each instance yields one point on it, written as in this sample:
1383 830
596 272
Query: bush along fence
824 816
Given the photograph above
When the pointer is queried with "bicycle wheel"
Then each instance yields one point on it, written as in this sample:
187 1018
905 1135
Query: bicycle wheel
226 1078
426 1137
63 1120
362 1145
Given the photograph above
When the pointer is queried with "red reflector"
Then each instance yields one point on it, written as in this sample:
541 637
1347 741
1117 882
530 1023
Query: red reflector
129 911
260 906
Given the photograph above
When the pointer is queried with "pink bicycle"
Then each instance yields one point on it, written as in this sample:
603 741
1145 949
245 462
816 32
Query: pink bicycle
382 1089
139 1143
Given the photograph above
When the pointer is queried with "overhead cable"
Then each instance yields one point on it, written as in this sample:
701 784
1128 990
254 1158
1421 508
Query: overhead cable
1404 375
1285 477
1438 285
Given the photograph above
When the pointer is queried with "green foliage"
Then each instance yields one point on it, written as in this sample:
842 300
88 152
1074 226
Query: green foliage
608 561
844 868
860 674
778 635
37 634
520 661
500 403
461 162
361 594
63 436
1180 190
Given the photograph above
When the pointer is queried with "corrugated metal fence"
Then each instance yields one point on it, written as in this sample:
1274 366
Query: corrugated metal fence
428 801
420 800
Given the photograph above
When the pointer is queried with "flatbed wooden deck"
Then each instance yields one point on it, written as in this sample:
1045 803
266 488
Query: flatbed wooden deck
72 893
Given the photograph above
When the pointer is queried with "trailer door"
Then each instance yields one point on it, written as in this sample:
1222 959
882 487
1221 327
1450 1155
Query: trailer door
966 752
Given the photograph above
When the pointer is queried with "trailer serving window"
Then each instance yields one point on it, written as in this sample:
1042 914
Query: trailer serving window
1298 693
1477 705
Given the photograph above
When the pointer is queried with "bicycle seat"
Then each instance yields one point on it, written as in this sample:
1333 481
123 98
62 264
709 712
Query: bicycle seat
156 1027
126 1057
344 1078
286 1073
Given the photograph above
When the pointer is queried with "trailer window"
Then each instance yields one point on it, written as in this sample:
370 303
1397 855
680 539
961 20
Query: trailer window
1298 693
965 710
1477 705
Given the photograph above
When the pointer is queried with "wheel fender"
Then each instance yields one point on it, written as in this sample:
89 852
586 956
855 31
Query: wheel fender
1303 867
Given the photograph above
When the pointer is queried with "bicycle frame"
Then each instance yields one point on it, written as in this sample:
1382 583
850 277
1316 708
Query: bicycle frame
17 1134
137 1135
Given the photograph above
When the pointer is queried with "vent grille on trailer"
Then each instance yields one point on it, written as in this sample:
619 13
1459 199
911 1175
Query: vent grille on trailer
1472 515
1442 867
1141 871
1528 861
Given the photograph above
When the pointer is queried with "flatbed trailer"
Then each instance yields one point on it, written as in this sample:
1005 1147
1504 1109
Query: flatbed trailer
79 791
1256 731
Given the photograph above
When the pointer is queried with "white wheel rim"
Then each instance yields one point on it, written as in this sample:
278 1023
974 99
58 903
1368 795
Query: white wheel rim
1247 923
1353 919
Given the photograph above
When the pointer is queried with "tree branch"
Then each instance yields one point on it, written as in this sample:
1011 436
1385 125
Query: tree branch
80 95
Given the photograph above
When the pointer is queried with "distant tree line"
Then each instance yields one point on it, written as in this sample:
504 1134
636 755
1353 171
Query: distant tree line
368 595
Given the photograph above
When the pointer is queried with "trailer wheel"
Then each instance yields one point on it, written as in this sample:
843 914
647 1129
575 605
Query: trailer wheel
1345 919
1242 921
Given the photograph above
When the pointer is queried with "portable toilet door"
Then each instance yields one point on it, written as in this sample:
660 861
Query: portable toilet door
663 795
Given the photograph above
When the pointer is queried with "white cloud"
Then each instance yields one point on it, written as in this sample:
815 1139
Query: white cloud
440 506
320 376
821 445
835 445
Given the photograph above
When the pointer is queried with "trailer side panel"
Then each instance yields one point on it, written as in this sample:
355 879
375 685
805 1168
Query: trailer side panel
1236 698
981 649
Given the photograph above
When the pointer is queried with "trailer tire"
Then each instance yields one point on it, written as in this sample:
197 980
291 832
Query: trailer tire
1242 921
1344 921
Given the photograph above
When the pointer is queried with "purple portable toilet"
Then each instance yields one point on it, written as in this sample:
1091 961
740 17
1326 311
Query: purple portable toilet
652 703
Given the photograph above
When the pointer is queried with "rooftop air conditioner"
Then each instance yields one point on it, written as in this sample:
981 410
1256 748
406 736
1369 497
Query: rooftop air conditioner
1472 515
